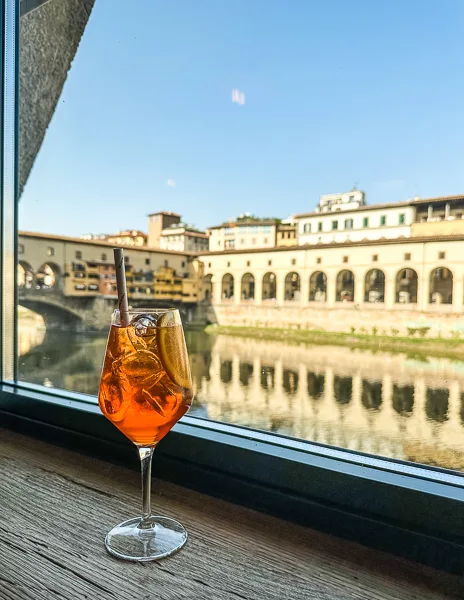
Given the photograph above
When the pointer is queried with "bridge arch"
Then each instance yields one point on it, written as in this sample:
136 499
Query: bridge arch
25 275
48 276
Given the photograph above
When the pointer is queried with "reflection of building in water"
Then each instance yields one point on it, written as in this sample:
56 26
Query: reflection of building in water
380 404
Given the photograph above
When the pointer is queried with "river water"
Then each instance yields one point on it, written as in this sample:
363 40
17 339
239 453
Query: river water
392 405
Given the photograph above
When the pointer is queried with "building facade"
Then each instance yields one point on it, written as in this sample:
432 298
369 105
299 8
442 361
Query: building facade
243 234
182 238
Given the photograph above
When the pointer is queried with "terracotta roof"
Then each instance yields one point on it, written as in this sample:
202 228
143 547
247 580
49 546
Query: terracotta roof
382 206
341 245
245 223
62 238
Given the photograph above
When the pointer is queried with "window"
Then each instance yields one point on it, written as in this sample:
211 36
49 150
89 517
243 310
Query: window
375 257
441 255
20 248
50 251
183 264
147 261
103 256
253 240
265 241
307 228
407 256
334 225
365 221
402 219
343 401
383 220
348 223
228 264
126 259
209 265
345 259
248 264
293 261
78 254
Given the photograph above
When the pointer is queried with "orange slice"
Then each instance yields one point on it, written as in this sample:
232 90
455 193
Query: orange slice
173 352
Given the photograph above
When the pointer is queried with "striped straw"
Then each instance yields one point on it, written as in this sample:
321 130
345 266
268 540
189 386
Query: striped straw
121 285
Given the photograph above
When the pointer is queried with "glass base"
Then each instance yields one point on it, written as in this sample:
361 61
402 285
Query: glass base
130 542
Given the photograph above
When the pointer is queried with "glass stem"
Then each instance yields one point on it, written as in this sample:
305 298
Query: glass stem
146 456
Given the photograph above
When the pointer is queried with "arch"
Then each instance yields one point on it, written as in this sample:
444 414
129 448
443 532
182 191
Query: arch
318 287
290 380
208 287
406 286
247 291
292 287
25 275
374 286
345 286
48 276
227 290
269 287
441 286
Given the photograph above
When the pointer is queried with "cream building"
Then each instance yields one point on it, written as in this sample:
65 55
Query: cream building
183 238
242 234
346 217
397 284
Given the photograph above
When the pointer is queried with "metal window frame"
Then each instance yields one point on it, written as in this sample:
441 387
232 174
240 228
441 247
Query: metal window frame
406 509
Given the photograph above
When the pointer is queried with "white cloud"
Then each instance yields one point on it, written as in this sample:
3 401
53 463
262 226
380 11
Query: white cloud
238 97
171 182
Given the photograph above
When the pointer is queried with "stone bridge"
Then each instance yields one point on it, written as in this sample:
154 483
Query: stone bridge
86 314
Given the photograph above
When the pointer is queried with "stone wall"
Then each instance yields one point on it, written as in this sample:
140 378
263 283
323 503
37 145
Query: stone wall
340 319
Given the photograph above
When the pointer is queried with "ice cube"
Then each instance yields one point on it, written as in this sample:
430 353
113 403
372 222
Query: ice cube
144 325
161 400
116 395
140 368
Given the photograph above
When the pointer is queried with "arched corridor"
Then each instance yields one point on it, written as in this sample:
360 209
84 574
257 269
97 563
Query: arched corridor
292 287
406 286
374 286
318 287
269 287
441 286
345 287
227 292
248 287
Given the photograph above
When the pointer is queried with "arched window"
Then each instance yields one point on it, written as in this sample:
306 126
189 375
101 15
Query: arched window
25 275
269 287
345 287
227 291
48 276
374 286
406 286
248 287
318 287
441 286
292 287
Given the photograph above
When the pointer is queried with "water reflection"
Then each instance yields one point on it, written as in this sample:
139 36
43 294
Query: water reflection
380 403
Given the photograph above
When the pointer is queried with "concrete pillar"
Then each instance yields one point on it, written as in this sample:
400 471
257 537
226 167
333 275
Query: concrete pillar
280 289
447 211
331 289
237 289
390 292
429 212
358 288
217 289
458 293
258 289
423 291
304 289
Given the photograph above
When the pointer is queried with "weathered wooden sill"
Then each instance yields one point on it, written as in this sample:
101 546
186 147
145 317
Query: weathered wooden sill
57 505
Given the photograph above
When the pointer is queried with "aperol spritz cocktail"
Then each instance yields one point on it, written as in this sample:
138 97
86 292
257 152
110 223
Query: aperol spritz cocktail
145 389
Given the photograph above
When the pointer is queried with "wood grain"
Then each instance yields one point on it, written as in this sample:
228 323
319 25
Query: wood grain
56 506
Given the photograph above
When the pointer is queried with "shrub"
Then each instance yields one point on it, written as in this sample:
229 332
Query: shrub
455 334
412 331
422 331
394 331
375 331
353 329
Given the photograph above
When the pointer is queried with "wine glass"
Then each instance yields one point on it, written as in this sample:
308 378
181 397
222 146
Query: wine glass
145 388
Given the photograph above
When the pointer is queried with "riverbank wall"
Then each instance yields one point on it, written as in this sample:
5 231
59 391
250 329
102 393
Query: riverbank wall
353 318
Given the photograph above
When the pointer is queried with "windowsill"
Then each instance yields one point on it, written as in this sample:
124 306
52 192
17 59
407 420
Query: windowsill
69 502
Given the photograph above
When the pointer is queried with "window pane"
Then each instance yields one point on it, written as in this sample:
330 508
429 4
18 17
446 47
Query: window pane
183 132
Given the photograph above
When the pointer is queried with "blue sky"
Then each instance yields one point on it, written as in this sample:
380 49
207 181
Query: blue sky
336 93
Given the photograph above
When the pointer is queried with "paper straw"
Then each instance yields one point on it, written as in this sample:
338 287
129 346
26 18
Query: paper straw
121 285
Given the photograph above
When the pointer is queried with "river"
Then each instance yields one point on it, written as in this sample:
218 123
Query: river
393 405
